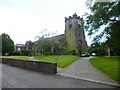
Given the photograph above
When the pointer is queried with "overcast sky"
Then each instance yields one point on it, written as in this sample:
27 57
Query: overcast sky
25 19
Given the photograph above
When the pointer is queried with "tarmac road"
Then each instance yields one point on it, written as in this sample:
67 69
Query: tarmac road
13 77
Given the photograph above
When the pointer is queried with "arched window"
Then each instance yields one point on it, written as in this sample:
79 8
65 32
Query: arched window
79 25
70 25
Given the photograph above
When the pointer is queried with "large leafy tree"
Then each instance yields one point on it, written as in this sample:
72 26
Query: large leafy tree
105 15
7 44
42 43
98 48
49 45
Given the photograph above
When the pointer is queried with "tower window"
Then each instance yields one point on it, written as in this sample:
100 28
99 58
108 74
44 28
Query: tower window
70 25
79 25
80 41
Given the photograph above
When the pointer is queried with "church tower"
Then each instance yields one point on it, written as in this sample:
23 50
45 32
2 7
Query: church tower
74 34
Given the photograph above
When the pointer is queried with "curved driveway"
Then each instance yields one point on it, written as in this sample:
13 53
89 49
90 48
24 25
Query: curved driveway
83 69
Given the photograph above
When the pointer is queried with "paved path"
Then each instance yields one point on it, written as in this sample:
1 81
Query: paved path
83 69
32 59
13 77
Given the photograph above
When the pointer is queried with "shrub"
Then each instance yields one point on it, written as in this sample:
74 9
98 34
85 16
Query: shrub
71 52
16 53
24 52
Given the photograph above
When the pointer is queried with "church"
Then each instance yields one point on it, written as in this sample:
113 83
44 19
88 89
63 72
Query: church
74 36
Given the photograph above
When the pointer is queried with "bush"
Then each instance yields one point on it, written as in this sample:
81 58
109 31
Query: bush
16 53
24 52
71 52
46 53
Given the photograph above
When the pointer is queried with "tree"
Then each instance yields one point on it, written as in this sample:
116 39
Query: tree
29 48
42 44
58 47
98 48
29 45
7 44
24 52
105 15
48 44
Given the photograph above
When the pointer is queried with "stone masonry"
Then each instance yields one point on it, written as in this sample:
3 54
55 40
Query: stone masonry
74 34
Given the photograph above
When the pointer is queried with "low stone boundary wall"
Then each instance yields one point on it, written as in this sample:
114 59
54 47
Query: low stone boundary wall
45 67
19 63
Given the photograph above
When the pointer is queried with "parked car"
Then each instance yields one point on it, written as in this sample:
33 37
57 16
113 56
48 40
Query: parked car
93 54
85 55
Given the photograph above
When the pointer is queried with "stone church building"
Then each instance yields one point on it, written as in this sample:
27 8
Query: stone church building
74 37
74 34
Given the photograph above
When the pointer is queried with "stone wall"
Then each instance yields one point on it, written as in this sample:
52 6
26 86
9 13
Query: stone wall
45 67
74 34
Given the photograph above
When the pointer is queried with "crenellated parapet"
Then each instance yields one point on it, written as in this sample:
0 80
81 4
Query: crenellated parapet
73 16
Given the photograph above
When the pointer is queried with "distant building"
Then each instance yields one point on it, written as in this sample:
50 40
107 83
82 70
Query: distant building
19 47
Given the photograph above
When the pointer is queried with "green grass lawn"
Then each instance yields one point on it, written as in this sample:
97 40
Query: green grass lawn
61 60
108 65
16 57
